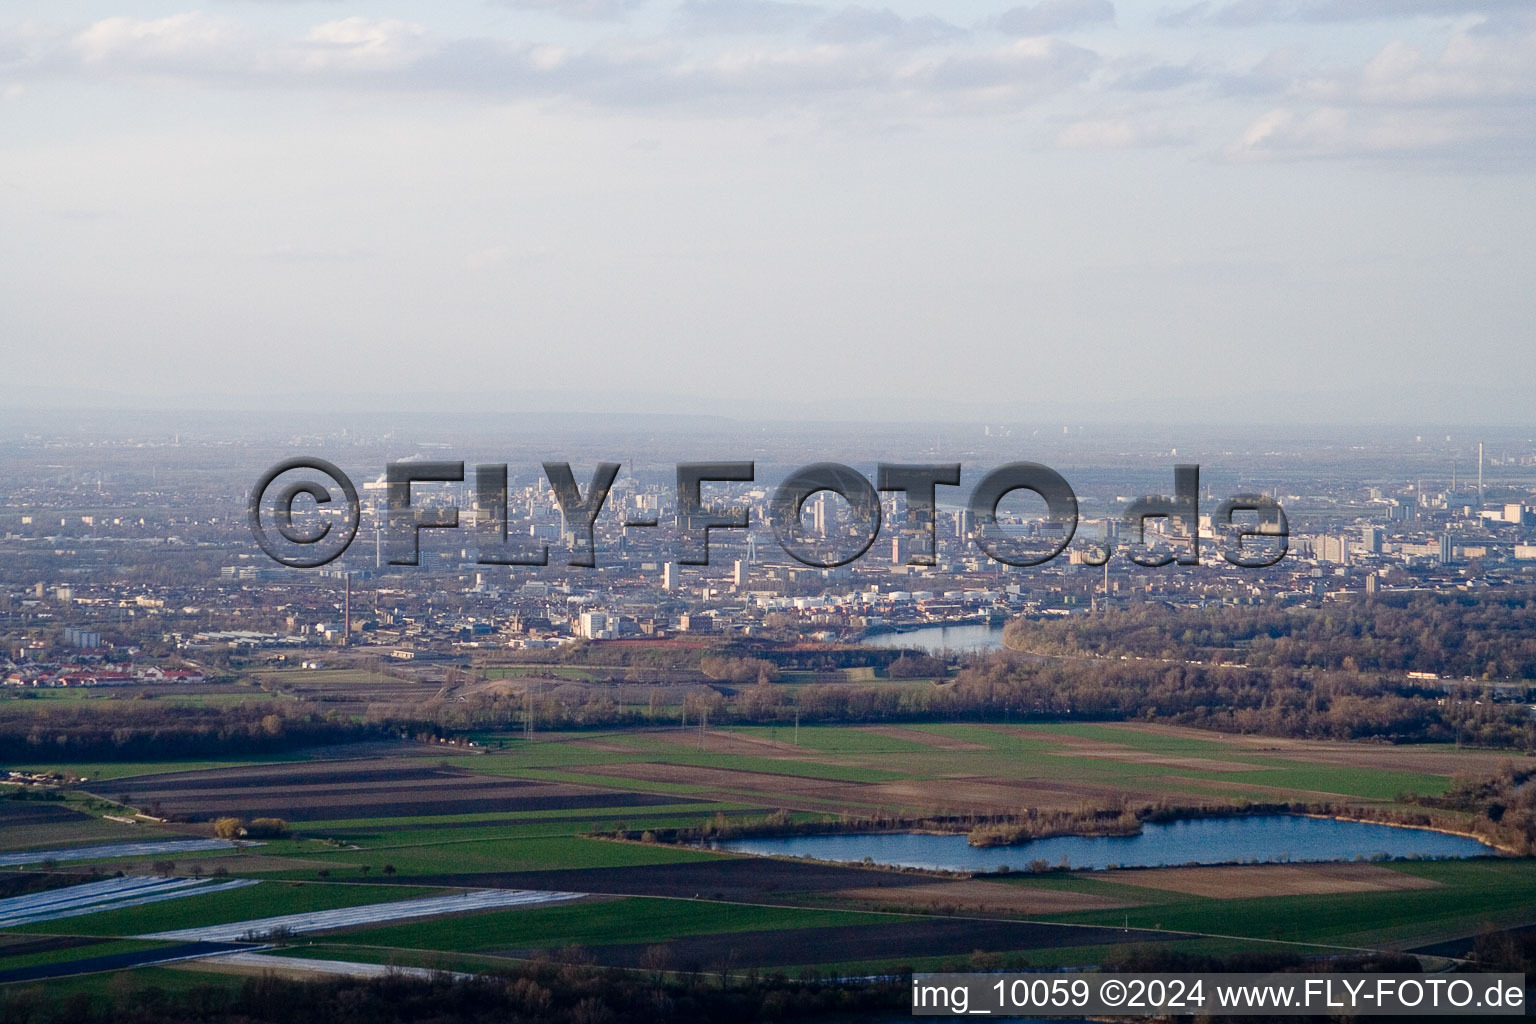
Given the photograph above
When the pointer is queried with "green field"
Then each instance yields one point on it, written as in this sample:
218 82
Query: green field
447 854
86 952
1473 894
597 923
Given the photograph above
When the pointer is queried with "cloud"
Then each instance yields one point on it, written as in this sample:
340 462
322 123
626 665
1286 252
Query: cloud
1330 132
1247 13
746 17
1024 69
582 10
1049 16
187 40
1476 97
361 44
1158 78
854 25
872 55
1116 133
1471 96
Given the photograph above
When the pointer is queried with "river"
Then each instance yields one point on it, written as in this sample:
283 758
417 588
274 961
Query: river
941 639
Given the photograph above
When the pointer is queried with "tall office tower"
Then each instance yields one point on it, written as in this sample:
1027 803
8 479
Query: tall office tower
1479 472
1371 537
1445 549
898 550
819 514
669 577
739 574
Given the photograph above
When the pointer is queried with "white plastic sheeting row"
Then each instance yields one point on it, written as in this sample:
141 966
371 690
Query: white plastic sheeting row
296 965
372 913
111 894
150 848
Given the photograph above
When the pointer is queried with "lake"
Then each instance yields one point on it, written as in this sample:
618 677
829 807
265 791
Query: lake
941 639
1259 838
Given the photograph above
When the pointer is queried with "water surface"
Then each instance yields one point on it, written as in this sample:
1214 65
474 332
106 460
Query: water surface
1269 838
941 639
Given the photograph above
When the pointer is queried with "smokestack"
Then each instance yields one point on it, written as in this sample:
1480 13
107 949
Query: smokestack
346 614
1479 472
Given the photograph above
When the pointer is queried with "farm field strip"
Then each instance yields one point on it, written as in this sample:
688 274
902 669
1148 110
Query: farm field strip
475 855
598 922
1469 894
125 959
64 834
371 913
302 967
108 771
151 848
111 894
63 954
372 788
690 810
1242 881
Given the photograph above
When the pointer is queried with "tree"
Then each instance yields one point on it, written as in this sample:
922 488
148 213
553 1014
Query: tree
228 828
657 960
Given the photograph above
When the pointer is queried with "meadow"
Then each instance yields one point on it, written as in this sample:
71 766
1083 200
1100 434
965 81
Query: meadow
388 822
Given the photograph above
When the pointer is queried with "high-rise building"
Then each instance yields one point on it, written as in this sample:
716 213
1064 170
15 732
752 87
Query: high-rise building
669 577
1446 550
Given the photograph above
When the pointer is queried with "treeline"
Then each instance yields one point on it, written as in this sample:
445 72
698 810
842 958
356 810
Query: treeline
739 670
1488 634
1502 805
542 992
800 657
1278 702
134 730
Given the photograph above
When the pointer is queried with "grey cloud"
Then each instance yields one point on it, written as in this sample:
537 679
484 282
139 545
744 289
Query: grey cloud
1158 78
1473 101
584 10
1183 17
1048 16
853 25
746 17
1247 13
1052 65
393 56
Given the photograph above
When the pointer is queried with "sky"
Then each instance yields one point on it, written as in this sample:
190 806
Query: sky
1113 210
